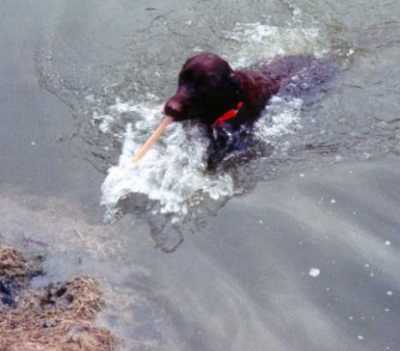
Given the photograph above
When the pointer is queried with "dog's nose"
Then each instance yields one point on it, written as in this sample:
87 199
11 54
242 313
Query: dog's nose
173 108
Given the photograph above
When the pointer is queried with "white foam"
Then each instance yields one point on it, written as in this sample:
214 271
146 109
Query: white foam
314 272
262 41
172 172
104 122
113 113
281 117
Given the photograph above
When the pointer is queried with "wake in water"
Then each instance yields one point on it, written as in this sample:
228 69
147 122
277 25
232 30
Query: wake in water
173 174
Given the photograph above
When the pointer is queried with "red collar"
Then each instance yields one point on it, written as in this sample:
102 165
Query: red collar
228 115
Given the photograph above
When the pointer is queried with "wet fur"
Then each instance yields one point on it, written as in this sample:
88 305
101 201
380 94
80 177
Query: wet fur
208 87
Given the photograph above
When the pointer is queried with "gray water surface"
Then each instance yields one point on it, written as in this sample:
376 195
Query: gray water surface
305 259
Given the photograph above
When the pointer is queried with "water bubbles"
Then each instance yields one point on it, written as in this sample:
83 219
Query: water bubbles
314 272
264 41
171 173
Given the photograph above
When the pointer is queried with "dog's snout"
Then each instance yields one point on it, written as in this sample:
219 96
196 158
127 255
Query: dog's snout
173 108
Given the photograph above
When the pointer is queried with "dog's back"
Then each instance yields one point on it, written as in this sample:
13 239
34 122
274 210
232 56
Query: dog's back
294 76
299 74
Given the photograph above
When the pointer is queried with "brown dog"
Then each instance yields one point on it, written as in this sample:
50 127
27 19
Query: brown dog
222 99
208 87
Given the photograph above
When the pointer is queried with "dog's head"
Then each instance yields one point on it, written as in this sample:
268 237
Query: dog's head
207 87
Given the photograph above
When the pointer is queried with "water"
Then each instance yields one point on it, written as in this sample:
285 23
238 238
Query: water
174 173
319 192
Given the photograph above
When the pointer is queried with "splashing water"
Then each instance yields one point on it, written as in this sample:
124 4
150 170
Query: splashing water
284 115
259 41
173 172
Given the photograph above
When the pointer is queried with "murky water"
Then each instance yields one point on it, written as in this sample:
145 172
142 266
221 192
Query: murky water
313 196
